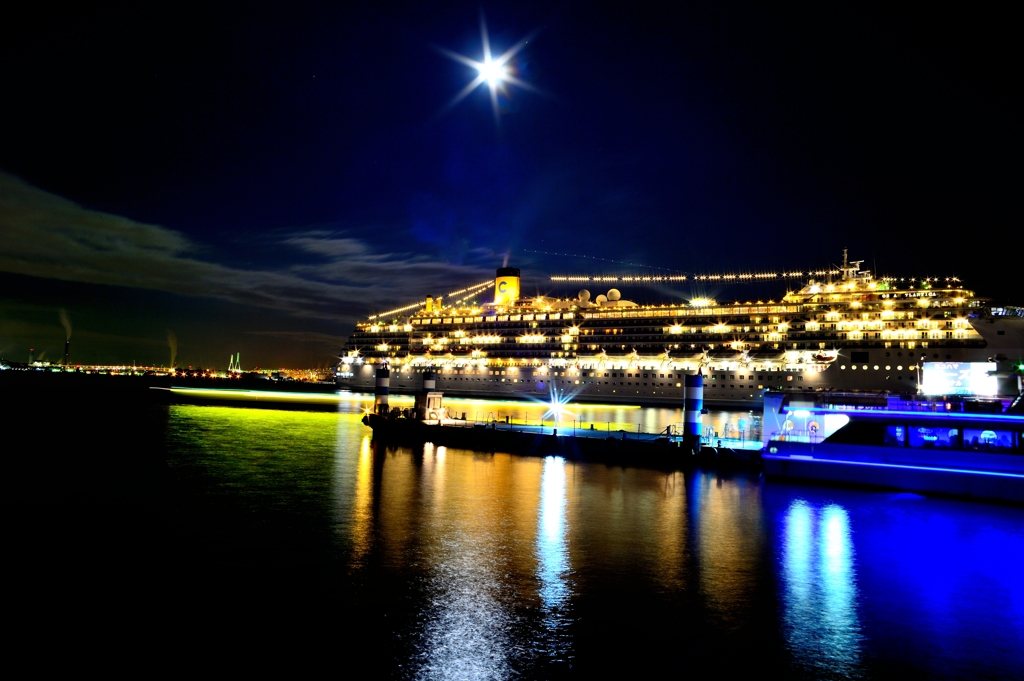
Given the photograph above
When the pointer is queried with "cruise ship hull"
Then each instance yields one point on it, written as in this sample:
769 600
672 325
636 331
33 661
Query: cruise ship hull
878 370
851 333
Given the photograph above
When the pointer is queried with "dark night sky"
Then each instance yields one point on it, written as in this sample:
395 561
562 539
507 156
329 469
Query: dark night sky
255 177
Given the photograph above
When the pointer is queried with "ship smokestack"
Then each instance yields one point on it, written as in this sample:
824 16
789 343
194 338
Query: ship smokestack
506 286
434 304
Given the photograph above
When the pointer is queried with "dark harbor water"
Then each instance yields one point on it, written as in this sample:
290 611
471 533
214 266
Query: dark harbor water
251 534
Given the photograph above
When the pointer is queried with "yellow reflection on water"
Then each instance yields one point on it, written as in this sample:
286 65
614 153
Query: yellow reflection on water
254 437
433 475
362 504
731 535
496 543
670 532
628 521
293 469
475 527
465 521
553 566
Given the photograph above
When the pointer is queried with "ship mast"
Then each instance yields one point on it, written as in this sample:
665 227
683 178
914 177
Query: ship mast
850 269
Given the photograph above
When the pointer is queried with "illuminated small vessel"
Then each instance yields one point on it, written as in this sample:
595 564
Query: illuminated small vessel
843 330
927 447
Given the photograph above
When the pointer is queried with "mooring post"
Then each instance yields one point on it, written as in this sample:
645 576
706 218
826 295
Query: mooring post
693 403
422 405
380 393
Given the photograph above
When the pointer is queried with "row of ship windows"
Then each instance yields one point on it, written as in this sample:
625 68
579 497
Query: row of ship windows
578 382
721 377
954 338
396 350
498 318
927 437
583 382
706 312
639 314
750 386
595 374
723 327
447 373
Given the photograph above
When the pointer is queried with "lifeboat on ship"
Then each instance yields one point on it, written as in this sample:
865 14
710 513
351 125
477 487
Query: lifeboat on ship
825 356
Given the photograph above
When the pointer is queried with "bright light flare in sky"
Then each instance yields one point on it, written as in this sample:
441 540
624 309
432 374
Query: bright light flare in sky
494 71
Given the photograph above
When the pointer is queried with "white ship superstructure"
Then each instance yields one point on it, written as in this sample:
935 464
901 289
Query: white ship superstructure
849 331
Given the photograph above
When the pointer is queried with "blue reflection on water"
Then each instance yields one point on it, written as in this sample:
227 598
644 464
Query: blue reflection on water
553 554
945 583
819 593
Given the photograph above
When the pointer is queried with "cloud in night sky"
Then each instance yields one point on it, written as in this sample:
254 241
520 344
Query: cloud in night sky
332 275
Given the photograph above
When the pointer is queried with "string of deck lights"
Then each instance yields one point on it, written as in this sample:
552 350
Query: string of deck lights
762 276
735 277
593 257
699 277
709 277
471 290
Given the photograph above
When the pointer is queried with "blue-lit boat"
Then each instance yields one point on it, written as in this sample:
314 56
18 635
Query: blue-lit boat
935 447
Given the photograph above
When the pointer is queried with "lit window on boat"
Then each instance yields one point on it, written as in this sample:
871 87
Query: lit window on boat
989 440
895 436
933 438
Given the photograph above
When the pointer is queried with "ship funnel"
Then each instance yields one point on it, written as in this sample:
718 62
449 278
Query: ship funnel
506 286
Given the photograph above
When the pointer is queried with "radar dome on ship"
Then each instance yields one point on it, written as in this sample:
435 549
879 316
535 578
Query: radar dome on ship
584 295
614 294
601 299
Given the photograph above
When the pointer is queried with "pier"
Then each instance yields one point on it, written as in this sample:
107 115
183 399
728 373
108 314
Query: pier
667 449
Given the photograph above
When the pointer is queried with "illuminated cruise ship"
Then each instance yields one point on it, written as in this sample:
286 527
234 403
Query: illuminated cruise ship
842 330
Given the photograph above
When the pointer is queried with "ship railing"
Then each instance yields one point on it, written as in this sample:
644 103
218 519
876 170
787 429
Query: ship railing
570 427
928 407
951 405
809 436
734 438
